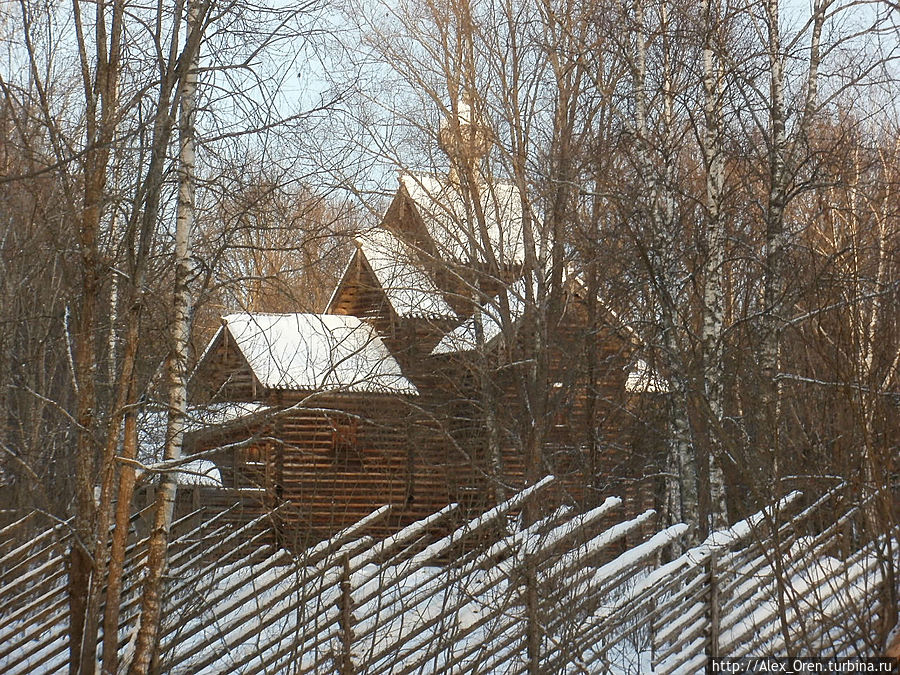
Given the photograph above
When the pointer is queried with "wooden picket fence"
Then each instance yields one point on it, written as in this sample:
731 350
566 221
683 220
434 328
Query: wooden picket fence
573 592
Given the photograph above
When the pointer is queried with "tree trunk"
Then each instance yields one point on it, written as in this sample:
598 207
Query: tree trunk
101 92
107 476
119 540
713 292
660 247
157 547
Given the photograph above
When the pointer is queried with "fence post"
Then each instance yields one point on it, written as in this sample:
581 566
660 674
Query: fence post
532 625
713 607
345 667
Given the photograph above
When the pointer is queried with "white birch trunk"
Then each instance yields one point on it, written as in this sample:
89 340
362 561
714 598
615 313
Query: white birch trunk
662 215
776 235
773 283
157 548
713 291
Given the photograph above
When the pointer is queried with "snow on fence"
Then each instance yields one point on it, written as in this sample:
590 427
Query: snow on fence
575 593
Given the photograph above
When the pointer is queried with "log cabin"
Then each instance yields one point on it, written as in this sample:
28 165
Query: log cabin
407 390
330 428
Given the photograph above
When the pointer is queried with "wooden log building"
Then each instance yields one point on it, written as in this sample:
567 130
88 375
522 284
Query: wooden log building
381 399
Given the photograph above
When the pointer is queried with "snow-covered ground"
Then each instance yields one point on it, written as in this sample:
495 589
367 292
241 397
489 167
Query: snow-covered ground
566 585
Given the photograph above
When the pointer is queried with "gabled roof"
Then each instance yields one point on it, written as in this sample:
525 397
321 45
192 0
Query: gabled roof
213 415
463 338
442 209
408 288
640 377
153 420
315 352
201 472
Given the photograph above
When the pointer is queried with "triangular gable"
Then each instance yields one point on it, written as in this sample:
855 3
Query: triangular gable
403 220
346 278
406 285
442 228
384 270
222 372
358 292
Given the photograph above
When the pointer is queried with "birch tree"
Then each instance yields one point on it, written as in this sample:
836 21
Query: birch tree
787 109
107 127
714 259
177 363
656 234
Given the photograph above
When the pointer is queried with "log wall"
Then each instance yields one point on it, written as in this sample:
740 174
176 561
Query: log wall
333 458
338 456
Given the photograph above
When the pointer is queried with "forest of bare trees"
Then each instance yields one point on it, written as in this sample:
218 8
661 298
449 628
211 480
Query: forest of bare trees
721 179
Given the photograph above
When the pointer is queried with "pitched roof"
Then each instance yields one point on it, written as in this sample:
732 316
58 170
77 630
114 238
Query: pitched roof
443 211
315 352
642 379
463 338
408 288
201 472
153 421
201 417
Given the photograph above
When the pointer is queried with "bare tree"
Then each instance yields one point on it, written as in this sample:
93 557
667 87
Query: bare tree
111 151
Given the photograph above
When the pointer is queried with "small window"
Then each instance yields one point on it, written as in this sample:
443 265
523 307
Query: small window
560 414
344 444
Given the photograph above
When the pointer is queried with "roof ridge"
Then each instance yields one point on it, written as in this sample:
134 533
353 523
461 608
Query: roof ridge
316 352
280 314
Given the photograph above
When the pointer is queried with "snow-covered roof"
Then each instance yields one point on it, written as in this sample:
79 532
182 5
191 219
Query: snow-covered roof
153 421
408 288
443 211
642 379
199 472
315 352
463 338
217 414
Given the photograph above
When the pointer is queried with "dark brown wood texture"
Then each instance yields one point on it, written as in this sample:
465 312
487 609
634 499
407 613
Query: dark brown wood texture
223 374
338 456
594 441
334 457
